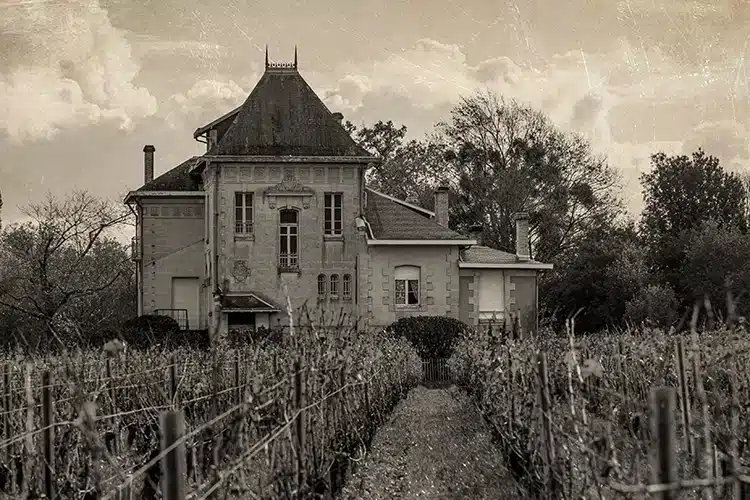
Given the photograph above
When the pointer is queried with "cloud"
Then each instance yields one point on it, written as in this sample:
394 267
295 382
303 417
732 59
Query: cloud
727 140
580 92
72 68
205 101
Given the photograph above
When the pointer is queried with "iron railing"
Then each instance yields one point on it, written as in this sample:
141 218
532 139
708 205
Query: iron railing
436 370
288 260
179 315
243 227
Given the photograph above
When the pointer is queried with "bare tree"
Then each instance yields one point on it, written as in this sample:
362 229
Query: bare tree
508 157
61 257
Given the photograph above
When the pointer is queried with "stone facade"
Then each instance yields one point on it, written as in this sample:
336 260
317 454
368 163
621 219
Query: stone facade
213 233
249 262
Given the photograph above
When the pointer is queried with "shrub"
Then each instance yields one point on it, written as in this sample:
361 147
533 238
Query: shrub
655 305
151 329
431 336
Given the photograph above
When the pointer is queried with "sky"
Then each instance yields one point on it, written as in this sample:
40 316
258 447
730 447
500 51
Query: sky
85 84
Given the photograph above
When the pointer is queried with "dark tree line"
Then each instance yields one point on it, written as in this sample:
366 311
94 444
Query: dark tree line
65 276
690 243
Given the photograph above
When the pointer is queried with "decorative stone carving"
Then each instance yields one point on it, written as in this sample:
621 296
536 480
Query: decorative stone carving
288 187
240 271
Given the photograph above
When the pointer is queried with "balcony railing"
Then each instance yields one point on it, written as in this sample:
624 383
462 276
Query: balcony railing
243 227
288 261
179 315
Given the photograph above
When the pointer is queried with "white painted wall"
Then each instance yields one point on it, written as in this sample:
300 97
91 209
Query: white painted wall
186 295
491 293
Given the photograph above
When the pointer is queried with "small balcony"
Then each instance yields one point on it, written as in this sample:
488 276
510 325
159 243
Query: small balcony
242 228
288 263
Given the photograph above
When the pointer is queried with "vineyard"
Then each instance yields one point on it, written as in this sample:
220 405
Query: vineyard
625 416
261 421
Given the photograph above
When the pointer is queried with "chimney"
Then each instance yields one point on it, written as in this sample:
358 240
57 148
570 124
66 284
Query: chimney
475 232
441 205
338 117
522 236
148 162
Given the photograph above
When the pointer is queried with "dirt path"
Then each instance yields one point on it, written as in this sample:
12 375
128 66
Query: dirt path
434 446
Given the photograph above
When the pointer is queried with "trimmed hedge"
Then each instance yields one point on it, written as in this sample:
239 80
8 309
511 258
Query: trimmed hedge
152 329
431 336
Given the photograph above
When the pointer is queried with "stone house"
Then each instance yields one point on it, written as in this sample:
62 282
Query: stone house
276 215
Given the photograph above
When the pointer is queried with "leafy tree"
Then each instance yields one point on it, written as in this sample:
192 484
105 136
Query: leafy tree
681 194
716 262
505 157
64 270
605 271
408 170
653 305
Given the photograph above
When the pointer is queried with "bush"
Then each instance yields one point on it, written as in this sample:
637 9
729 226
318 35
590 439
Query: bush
431 336
655 305
153 329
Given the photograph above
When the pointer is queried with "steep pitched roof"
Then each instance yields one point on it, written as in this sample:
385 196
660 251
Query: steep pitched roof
176 179
284 117
390 220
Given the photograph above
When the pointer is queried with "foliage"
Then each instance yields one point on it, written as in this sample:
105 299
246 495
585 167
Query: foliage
605 271
157 330
681 194
653 305
716 263
431 336
408 170
63 275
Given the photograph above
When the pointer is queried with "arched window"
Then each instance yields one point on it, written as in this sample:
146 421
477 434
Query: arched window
334 286
322 285
288 238
407 286
346 287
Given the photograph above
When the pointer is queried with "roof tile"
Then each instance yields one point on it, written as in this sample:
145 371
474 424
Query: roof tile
390 220
283 116
479 254
176 179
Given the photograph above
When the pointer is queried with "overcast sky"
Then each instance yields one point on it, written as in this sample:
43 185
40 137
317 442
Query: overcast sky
84 84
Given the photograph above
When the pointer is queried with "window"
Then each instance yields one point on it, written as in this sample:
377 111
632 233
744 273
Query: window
407 286
243 213
288 234
334 286
322 285
333 213
347 287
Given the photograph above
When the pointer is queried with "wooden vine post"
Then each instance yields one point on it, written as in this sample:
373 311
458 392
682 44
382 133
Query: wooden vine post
665 467
684 397
48 435
549 446
173 461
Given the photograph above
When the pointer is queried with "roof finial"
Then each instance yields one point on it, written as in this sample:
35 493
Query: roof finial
266 56
295 56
